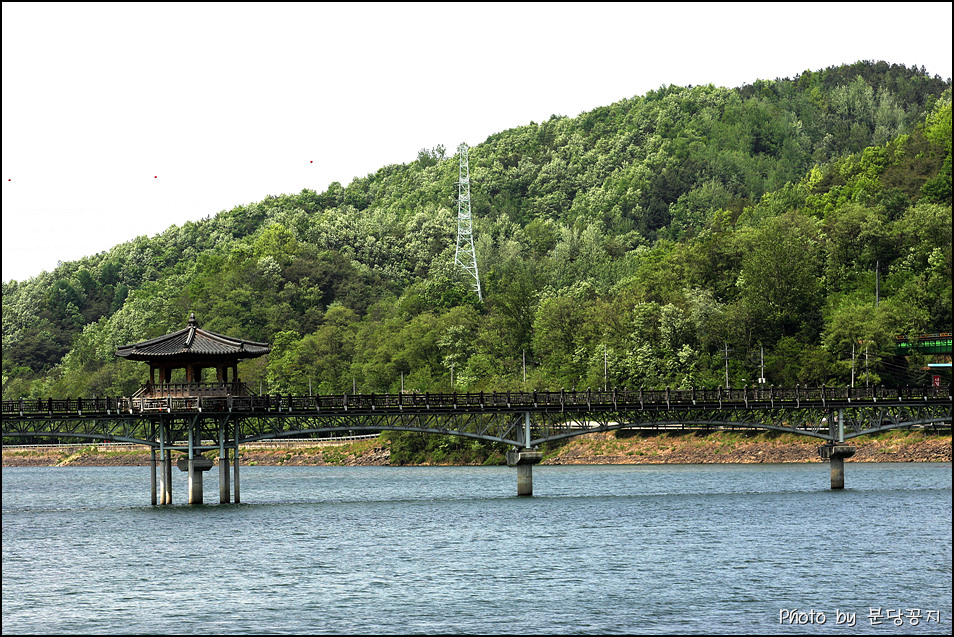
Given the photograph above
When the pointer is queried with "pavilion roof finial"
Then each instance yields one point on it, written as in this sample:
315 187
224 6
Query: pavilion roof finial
192 321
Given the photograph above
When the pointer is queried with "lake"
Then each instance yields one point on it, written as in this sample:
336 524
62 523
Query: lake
659 549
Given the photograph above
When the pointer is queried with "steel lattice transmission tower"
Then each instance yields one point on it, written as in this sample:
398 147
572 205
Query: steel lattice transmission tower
465 255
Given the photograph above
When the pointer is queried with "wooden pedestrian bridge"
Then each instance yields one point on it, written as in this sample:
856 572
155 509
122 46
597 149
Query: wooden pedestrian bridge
162 413
230 415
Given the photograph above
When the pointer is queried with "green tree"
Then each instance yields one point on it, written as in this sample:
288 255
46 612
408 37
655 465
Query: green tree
779 278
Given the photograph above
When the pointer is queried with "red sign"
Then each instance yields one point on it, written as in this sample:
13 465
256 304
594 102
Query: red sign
937 380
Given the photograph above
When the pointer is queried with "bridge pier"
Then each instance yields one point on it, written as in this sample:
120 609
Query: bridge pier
194 467
523 460
836 453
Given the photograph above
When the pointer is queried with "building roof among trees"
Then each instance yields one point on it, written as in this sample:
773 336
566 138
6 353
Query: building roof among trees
193 341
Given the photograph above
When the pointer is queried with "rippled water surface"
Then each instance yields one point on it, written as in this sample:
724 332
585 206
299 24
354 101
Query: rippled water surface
610 549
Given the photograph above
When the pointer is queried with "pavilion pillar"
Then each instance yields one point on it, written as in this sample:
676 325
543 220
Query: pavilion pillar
235 463
224 487
152 475
223 464
162 478
165 471
165 477
195 481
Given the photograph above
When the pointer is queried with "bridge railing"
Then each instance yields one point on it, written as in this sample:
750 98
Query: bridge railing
22 406
575 400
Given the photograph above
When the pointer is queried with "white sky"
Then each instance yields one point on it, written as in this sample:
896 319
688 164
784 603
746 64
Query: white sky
121 120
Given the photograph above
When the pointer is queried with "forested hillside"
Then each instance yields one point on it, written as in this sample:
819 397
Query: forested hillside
678 238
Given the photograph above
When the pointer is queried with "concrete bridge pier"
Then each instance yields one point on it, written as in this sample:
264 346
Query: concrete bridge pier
523 460
195 467
836 453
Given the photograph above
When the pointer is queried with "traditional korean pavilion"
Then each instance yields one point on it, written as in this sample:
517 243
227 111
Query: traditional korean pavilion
194 350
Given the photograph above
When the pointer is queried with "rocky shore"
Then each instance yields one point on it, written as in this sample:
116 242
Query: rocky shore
597 448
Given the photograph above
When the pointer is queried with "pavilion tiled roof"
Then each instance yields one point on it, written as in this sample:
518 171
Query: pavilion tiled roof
193 342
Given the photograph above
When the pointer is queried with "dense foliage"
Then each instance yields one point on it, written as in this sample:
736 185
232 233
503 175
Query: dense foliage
690 237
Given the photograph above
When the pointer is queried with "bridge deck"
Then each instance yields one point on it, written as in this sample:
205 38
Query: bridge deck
523 420
617 399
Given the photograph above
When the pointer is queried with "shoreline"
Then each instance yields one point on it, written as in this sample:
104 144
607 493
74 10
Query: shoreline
615 447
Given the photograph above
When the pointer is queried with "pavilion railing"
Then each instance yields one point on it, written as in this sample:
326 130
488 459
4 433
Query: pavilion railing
192 390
